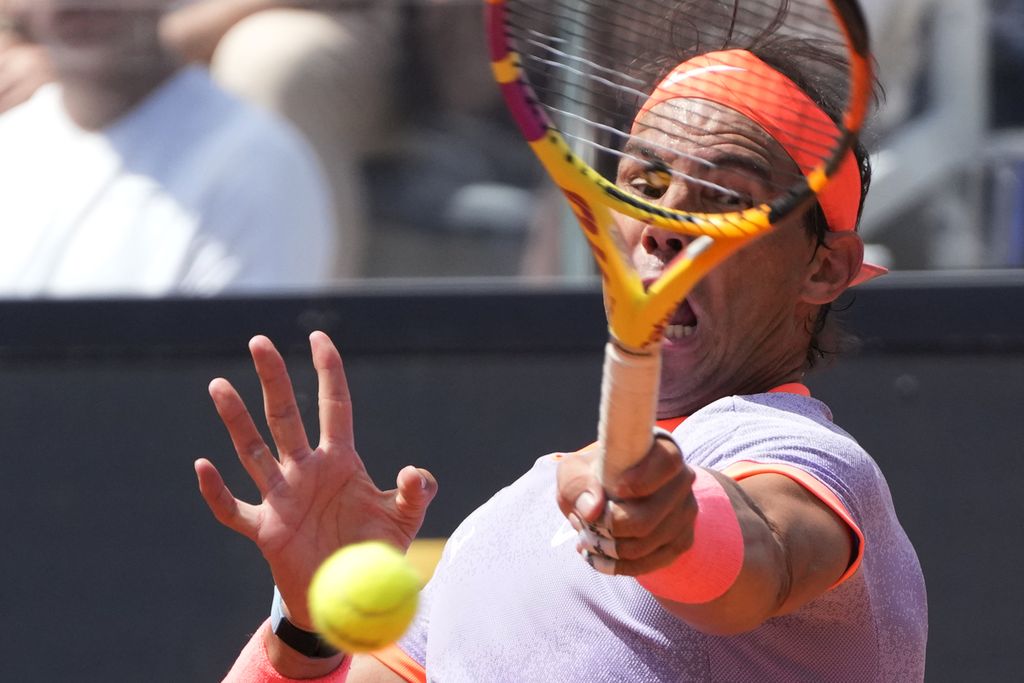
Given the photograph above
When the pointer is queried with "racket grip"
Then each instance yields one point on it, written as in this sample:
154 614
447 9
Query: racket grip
629 402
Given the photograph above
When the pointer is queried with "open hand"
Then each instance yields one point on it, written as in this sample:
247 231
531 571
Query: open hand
314 500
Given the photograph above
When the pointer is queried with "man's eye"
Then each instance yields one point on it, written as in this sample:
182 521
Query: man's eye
645 189
732 200
653 183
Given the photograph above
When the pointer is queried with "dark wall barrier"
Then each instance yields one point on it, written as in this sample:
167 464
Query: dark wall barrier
112 568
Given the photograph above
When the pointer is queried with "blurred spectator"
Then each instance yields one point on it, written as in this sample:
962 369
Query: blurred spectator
23 64
466 180
326 67
133 176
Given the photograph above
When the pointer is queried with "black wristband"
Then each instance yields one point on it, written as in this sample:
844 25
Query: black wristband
304 642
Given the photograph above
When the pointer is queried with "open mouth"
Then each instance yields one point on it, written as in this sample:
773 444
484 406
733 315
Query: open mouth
682 324
683 321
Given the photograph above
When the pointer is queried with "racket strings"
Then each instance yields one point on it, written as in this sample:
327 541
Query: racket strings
618 151
560 74
593 39
582 133
636 28
692 179
584 126
587 67
817 140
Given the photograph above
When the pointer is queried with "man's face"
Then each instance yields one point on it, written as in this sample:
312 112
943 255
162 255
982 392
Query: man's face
744 327
99 39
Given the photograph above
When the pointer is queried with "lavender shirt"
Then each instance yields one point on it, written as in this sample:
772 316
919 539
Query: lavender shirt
511 599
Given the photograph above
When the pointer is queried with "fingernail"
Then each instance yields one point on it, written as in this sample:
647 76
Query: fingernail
596 544
586 504
423 481
575 523
599 562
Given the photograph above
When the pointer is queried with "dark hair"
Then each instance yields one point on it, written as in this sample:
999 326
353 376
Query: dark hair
791 57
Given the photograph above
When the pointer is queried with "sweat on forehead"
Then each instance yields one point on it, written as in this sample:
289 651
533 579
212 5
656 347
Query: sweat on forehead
739 80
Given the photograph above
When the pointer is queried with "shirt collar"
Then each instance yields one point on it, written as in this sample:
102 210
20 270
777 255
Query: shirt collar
670 423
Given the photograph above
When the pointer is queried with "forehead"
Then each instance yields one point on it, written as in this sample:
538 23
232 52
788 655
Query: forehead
699 128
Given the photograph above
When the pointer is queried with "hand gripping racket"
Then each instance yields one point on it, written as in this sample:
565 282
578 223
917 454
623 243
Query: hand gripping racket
576 73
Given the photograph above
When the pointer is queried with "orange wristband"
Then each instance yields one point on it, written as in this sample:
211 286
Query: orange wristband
711 565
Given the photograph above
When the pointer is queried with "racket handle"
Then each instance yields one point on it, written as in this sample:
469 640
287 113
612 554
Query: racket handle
629 402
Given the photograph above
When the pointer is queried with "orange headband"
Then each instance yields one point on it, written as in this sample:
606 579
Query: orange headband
739 80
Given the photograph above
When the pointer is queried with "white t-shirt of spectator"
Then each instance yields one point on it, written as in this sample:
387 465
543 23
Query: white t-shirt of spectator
190 193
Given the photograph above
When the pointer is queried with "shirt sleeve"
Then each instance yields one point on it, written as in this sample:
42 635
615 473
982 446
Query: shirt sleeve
743 469
399 661
742 439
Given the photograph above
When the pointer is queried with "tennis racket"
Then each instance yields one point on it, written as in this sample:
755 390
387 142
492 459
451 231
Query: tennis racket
576 73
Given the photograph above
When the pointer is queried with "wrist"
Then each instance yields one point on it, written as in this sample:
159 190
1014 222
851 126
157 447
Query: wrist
712 564
303 640
290 664
295 652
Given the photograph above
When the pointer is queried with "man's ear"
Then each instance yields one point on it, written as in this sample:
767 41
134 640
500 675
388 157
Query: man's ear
835 264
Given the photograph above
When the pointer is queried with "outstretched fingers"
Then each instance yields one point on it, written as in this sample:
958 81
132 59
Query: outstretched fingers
228 510
252 450
334 398
283 417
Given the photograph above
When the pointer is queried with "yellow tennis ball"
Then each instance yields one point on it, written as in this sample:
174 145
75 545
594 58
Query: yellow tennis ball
364 596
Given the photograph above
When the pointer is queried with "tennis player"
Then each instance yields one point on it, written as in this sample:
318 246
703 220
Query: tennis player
757 541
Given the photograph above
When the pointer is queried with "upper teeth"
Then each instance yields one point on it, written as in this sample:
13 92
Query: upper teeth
679 331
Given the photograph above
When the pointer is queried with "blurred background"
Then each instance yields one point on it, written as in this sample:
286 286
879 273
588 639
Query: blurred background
389 115
176 176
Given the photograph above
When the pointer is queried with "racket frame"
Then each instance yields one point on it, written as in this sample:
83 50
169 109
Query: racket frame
637 313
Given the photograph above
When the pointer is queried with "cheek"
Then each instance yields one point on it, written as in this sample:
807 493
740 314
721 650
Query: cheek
754 286
630 229
777 261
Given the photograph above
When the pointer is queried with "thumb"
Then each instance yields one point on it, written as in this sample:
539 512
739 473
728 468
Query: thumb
416 488
579 491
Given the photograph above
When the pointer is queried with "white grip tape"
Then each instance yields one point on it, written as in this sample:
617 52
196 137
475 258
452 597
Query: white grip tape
629 402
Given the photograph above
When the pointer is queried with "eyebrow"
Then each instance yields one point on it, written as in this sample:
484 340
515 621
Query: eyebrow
636 148
656 156
743 162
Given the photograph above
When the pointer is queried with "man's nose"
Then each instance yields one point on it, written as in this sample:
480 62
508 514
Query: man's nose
662 243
